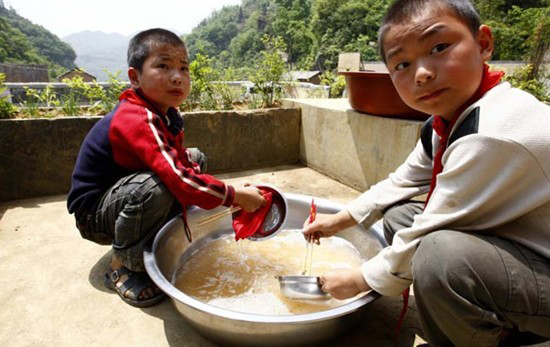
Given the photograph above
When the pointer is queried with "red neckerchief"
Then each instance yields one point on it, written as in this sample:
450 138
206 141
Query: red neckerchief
443 128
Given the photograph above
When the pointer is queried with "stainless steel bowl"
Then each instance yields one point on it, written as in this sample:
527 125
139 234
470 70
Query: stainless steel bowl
302 287
276 216
227 327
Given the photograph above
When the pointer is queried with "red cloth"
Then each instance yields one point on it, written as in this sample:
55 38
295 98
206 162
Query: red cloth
443 128
247 224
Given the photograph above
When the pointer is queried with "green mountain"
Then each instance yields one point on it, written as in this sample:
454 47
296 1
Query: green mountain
315 31
22 41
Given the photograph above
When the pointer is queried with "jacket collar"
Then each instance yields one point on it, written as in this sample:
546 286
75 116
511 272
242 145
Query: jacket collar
172 119
489 80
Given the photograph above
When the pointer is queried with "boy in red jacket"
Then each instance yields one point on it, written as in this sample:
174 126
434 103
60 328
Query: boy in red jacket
133 173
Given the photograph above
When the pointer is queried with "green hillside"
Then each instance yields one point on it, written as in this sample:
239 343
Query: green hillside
22 41
315 31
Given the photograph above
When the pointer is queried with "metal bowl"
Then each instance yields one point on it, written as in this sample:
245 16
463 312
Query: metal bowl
227 327
302 287
276 216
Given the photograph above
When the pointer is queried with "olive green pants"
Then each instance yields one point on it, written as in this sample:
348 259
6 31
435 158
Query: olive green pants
475 289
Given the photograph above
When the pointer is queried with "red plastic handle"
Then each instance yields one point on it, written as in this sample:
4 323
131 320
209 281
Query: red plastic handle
312 211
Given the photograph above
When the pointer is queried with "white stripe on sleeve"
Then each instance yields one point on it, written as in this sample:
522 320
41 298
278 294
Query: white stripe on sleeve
171 161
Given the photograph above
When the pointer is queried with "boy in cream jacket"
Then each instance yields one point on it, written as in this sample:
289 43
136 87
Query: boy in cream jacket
478 251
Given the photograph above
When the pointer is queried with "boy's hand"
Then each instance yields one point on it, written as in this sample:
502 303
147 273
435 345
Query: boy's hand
344 283
326 225
249 198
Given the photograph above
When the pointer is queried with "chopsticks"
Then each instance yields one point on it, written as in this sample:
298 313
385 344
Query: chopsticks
218 215
309 247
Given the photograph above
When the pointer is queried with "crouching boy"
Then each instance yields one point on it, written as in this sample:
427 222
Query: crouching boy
133 172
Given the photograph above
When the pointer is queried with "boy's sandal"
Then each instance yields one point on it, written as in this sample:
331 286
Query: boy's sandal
132 287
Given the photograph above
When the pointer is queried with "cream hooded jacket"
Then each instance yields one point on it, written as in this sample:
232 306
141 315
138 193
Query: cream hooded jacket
495 179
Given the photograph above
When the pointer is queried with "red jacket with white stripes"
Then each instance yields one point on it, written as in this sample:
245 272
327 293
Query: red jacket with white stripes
134 137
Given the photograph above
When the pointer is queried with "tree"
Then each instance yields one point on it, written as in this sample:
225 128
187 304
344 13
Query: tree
291 23
316 31
270 70
513 22
15 47
346 25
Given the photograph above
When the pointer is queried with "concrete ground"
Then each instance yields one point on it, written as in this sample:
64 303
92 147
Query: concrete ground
52 291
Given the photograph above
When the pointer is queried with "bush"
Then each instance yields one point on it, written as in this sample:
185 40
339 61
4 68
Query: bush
110 96
7 110
521 78
533 76
203 92
337 83
102 100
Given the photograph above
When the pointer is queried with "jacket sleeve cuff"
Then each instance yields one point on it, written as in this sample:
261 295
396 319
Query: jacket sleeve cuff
362 214
380 279
229 196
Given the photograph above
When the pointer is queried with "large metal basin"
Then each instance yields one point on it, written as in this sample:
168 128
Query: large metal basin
241 329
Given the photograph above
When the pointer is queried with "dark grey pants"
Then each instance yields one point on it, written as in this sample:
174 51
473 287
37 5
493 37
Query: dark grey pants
475 289
131 213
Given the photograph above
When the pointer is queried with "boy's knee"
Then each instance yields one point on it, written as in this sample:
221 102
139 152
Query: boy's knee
389 223
427 264
444 259
398 217
195 155
160 197
392 222
153 194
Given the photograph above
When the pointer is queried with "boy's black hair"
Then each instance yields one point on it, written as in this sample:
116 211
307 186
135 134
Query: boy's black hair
403 10
139 46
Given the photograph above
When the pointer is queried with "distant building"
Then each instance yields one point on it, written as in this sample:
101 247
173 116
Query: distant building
303 76
86 77
25 72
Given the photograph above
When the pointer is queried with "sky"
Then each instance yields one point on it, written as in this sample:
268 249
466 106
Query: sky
64 17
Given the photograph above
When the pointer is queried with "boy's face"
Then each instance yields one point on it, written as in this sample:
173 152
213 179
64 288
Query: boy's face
164 77
435 62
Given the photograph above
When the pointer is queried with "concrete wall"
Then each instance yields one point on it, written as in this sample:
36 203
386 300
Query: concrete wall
25 72
37 156
235 141
302 90
354 148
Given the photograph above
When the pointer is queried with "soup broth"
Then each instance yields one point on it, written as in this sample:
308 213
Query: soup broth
240 276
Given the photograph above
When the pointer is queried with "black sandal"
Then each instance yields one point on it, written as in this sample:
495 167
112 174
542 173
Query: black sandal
136 283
